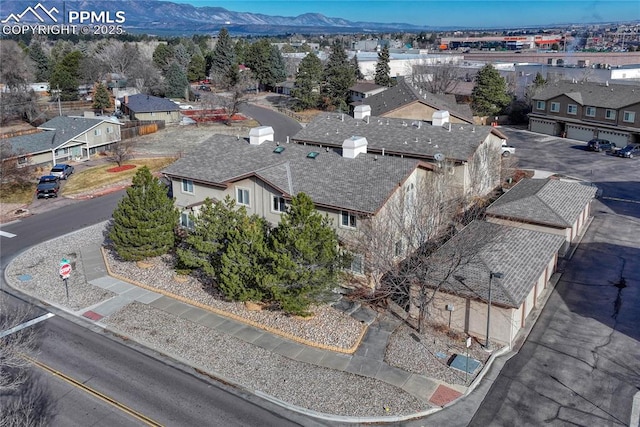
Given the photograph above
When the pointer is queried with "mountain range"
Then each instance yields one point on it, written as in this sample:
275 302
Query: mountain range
164 17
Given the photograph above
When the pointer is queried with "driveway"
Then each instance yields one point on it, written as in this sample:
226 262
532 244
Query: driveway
580 364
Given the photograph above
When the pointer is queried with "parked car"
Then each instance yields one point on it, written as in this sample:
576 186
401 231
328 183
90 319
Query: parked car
48 186
507 150
629 151
204 88
597 144
61 170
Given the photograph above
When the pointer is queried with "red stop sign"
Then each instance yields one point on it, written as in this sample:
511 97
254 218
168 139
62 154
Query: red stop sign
65 270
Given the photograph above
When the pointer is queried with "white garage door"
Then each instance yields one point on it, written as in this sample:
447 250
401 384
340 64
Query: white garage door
542 126
620 139
581 133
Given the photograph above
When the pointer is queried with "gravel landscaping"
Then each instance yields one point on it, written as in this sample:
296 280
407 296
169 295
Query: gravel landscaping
36 272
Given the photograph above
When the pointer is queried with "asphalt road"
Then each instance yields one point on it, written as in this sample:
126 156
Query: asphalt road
580 364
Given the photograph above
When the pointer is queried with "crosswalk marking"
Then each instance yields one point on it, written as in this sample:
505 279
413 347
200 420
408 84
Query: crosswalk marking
25 325
5 234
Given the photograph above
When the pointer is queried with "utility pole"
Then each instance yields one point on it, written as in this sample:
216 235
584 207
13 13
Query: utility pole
59 105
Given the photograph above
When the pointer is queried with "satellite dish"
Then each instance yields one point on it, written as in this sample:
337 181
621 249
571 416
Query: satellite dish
439 157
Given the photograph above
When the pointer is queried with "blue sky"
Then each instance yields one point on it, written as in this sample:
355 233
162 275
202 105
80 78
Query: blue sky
474 13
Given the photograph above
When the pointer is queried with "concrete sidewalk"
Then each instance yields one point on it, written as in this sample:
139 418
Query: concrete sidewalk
368 360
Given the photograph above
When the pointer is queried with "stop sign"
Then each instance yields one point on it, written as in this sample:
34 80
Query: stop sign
65 270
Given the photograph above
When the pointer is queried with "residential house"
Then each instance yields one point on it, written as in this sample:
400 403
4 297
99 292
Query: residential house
66 138
363 90
347 183
584 110
548 205
469 153
407 101
149 107
509 267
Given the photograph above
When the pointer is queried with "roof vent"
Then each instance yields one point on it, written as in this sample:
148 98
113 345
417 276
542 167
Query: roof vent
440 118
260 134
353 146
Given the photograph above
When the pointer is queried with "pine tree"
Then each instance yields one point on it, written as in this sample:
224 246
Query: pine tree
382 76
145 219
489 95
243 264
41 61
305 257
204 245
356 68
223 57
338 78
101 97
266 63
176 81
308 82
196 68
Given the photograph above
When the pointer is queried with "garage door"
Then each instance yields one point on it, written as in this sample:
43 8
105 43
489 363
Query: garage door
581 133
620 139
542 126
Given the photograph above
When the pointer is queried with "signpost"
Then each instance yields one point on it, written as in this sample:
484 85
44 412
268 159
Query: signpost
65 272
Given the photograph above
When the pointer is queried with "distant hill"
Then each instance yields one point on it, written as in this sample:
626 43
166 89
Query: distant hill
163 17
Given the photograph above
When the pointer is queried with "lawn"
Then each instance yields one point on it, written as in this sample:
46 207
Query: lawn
15 194
97 177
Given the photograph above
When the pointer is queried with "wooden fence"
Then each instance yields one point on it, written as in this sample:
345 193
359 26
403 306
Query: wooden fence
140 127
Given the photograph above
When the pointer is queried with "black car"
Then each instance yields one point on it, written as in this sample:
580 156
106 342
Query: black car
597 144
204 88
48 186
629 151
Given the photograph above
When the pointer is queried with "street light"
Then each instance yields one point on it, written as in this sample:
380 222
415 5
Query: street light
491 276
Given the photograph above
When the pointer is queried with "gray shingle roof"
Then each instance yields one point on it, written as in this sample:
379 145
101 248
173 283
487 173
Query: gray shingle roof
520 255
362 184
544 201
364 87
56 132
141 103
403 93
396 136
592 94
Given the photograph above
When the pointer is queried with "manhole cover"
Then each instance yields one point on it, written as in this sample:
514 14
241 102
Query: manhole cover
24 277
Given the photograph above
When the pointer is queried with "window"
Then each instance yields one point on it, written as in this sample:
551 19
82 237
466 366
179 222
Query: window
22 160
109 130
187 186
555 107
572 109
610 114
357 264
590 112
541 105
242 196
186 220
629 117
348 219
97 132
398 248
278 204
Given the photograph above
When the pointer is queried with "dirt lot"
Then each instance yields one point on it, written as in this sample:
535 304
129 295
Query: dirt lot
174 140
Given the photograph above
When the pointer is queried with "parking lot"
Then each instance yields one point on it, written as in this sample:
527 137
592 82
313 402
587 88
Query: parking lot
618 178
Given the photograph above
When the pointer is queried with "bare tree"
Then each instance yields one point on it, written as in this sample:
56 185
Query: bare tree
13 365
438 78
16 169
484 168
120 152
237 94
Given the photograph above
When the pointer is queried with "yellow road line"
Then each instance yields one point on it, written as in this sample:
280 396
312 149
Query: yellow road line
146 420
